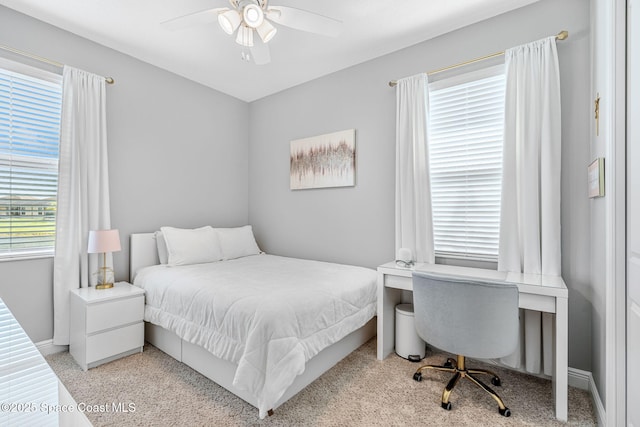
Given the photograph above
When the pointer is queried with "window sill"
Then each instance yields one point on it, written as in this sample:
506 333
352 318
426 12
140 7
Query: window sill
462 261
25 257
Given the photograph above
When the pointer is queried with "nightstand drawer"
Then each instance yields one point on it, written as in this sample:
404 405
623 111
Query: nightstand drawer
116 341
111 314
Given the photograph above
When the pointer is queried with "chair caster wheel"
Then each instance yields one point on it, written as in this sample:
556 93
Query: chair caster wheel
449 363
417 376
447 406
496 381
506 412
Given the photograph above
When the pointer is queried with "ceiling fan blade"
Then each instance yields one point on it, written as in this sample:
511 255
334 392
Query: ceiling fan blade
304 20
260 52
197 18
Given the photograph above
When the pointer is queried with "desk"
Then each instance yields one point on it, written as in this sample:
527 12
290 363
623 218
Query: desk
536 292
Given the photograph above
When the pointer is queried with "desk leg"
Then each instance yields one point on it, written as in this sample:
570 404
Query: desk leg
561 370
388 298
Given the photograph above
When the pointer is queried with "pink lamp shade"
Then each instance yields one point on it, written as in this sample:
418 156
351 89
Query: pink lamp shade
101 241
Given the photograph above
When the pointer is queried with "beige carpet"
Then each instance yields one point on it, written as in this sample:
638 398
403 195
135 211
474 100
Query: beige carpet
359 391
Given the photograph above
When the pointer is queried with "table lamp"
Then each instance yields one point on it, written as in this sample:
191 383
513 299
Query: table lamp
103 241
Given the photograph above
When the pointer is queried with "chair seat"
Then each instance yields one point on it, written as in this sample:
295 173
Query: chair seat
469 318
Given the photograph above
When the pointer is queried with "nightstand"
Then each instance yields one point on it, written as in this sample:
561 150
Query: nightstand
106 324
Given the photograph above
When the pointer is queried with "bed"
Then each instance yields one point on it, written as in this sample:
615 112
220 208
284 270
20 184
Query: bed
261 326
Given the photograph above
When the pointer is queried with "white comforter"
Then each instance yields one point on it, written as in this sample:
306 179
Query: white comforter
267 314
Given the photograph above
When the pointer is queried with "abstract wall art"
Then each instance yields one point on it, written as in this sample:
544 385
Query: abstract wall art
324 161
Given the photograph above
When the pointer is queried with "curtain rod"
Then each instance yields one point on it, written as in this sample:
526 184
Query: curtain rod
109 80
562 35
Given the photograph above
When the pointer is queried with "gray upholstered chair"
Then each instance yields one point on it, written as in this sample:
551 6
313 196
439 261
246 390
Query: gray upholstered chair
469 318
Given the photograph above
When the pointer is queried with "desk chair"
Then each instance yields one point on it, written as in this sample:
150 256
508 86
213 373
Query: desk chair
468 318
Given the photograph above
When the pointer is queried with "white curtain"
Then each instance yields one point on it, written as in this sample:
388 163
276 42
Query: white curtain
83 189
530 207
414 224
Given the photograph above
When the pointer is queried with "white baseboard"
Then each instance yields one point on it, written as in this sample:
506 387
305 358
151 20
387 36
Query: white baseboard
580 379
601 415
47 347
584 381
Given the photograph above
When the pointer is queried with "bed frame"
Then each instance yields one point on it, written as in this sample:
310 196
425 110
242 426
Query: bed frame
144 253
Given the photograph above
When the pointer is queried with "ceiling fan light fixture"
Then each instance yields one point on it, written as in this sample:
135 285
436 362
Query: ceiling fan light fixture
253 15
229 21
266 31
245 36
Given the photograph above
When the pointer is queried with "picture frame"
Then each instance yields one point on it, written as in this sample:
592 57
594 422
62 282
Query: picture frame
595 174
323 161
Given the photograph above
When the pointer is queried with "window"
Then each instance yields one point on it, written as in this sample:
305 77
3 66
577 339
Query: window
30 107
466 116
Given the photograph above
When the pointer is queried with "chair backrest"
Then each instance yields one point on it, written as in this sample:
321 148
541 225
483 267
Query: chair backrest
466 317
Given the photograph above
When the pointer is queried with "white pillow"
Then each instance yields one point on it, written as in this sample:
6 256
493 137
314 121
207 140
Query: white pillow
237 242
163 255
185 246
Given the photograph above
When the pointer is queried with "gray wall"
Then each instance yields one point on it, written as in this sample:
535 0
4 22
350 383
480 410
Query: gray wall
177 156
356 225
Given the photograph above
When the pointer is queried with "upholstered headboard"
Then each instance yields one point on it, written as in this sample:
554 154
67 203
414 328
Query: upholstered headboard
143 252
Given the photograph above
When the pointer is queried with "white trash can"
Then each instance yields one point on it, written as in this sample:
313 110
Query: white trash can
409 345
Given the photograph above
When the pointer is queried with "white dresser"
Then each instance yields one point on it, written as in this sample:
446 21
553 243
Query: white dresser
106 324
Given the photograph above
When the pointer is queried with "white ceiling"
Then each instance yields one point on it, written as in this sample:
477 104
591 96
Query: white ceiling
205 54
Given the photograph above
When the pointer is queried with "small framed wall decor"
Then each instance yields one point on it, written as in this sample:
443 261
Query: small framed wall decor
324 161
595 173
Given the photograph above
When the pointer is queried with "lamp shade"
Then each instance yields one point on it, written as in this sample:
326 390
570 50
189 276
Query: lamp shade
101 241
229 21
266 31
245 36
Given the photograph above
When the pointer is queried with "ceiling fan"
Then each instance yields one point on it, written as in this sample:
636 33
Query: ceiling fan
247 17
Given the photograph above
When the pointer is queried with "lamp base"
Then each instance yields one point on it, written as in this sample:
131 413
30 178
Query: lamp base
104 286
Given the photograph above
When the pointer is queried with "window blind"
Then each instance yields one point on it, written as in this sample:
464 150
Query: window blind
29 386
30 107
466 115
